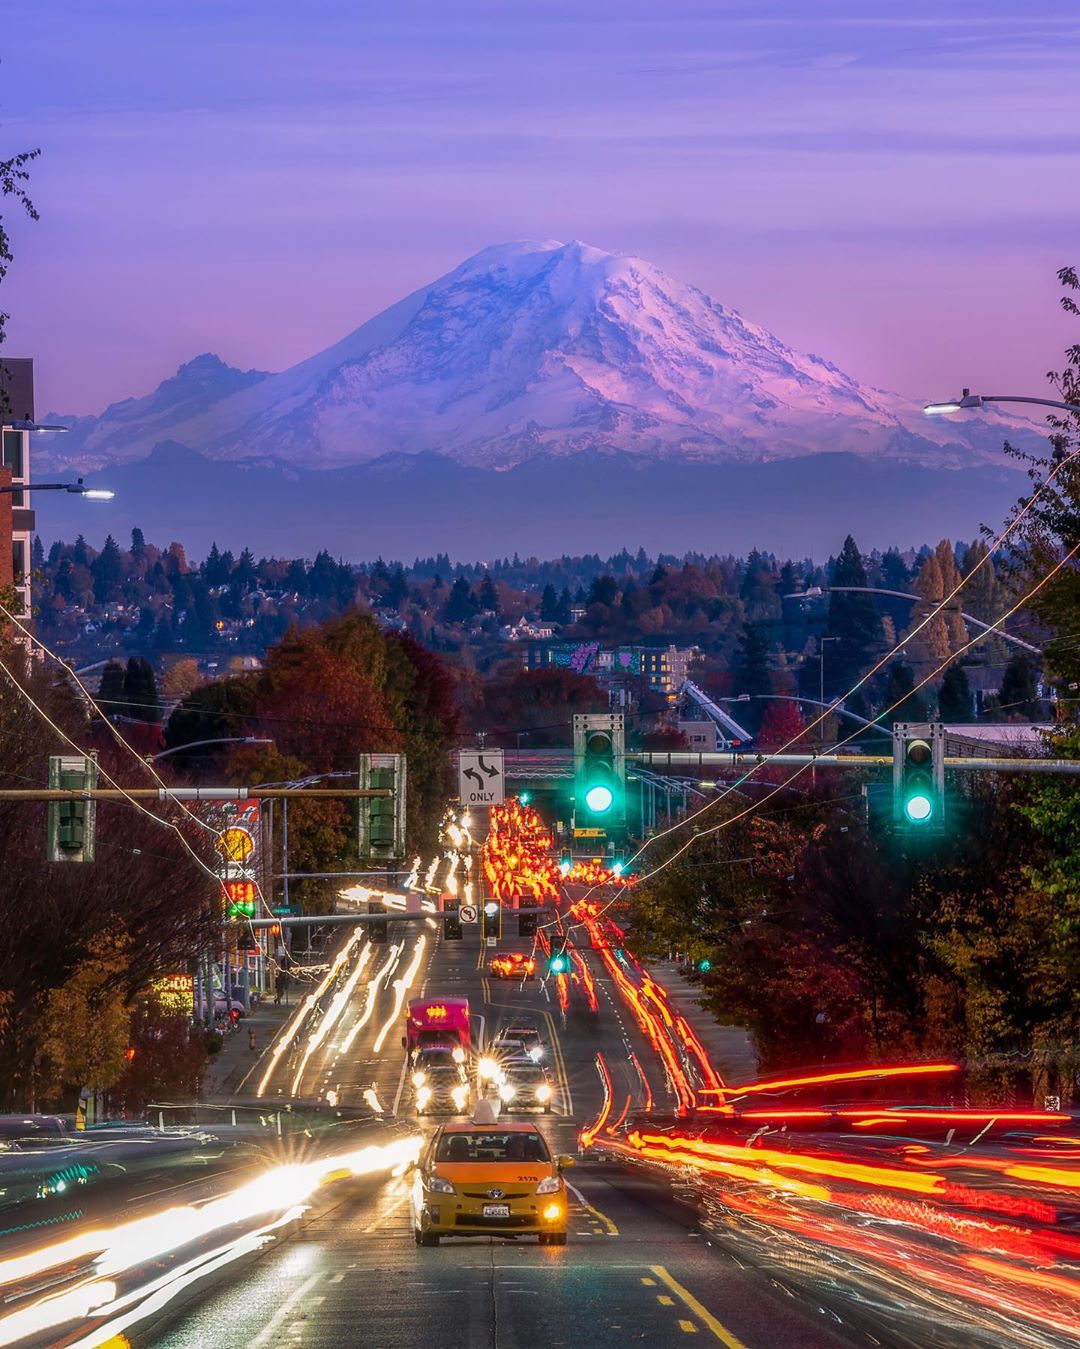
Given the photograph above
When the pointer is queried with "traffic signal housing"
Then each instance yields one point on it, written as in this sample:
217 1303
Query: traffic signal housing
919 777
451 923
381 819
599 771
70 824
526 924
491 920
376 931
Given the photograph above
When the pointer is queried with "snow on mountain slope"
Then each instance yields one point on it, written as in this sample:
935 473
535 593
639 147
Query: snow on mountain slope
540 348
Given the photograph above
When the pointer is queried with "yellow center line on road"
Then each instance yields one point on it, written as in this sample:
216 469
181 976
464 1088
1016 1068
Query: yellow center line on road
692 1304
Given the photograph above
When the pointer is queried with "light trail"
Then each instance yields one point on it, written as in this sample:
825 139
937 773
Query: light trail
374 984
291 1031
333 1013
401 987
145 1242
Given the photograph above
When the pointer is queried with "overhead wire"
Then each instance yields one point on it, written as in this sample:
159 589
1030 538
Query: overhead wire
898 647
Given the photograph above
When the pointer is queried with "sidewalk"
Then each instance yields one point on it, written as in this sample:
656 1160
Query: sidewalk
228 1069
730 1047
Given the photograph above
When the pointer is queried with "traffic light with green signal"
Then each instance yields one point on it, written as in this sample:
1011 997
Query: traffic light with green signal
558 962
599 771
919 777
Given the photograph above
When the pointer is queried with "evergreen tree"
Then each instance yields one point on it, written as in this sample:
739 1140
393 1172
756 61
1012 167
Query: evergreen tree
853 622
752 667
107 570
244 574
562 615
1019 697
461 605
954 697
37 554
296 577
214 571
894 571
80 554
898 689
549 604
138 545
110 694
140 691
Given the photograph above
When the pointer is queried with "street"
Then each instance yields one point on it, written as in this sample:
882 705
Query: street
637 1267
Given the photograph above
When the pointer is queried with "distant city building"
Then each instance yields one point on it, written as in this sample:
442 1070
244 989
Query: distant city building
524 631
664 668
16 416
703 736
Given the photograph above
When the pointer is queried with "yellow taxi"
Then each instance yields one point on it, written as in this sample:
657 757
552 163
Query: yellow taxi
489 1179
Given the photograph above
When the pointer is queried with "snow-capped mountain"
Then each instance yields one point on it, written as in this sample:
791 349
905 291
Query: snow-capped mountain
537 349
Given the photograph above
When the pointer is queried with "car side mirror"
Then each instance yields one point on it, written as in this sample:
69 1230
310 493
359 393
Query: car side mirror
564 1161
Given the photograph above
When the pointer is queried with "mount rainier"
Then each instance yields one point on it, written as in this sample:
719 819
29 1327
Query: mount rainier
531 349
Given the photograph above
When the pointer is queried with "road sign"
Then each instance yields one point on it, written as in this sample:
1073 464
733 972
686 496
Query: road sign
481 777
467 913
493 941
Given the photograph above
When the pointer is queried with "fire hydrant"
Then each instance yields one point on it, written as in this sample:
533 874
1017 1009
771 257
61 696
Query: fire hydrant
251 1037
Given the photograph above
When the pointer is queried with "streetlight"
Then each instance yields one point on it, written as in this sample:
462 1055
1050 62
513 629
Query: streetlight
818 592
77 488
218 740
969 400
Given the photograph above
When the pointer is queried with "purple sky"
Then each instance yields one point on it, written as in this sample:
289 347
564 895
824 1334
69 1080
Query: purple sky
891 185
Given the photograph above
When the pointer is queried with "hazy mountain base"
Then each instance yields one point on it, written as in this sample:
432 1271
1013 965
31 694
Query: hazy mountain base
402 506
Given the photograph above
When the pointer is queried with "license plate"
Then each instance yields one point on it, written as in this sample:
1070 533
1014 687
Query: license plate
496 1210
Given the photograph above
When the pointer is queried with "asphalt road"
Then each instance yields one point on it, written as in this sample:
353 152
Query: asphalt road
636 1268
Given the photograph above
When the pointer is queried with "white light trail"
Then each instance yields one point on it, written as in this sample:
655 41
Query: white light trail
401 987
333 1013
374 984
293 1028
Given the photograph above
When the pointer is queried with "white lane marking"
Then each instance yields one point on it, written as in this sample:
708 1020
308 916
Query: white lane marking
285 1308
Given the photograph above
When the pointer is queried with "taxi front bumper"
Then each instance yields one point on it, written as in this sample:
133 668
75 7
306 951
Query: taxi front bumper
464 1214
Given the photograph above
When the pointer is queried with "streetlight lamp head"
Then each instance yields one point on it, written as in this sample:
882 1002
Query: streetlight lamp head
98 494
966 400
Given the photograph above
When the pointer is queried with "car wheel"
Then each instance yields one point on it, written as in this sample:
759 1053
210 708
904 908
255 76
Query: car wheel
417 1236
432 1238
557 1238
542 1239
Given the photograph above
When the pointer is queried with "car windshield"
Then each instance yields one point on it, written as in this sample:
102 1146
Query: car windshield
490 1145
435 1059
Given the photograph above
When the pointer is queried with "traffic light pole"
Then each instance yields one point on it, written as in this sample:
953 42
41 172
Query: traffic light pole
187 793
709 759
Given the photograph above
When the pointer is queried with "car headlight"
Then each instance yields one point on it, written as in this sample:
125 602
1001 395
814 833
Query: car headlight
423 1096
551 1185
459 1055
418 1079
437 1185
536 1054
507 1092
487 1067
460 1096
543 1092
